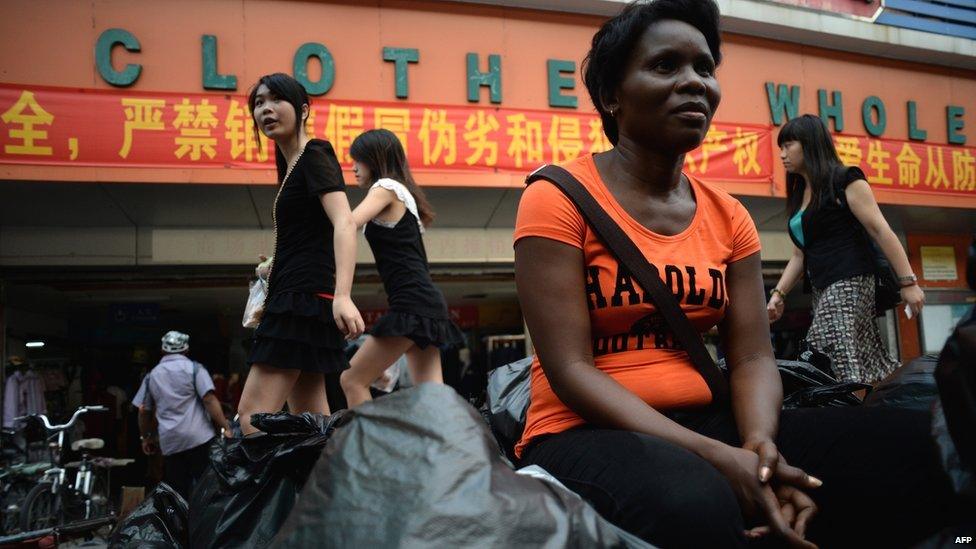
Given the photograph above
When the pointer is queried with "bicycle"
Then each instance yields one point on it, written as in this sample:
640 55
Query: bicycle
17 477
53 501
16 482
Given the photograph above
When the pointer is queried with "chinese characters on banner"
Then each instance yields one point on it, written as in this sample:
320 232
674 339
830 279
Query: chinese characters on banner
51 126
115 128
908 166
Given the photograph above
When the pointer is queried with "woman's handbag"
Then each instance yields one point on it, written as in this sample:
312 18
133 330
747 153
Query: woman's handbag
887 291
254 308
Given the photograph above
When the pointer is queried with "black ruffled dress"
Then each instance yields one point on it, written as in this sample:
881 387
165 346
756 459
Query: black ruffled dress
297 330
418 310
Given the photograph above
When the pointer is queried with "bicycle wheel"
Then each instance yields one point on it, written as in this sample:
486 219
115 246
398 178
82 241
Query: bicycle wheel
9 523
11 502
40 508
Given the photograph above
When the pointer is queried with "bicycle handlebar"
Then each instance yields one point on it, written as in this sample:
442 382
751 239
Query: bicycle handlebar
74 417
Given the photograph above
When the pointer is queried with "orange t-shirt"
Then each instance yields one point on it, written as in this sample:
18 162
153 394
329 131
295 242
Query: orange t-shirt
631 342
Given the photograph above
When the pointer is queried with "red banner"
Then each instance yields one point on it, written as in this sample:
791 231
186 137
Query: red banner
909 166
55 126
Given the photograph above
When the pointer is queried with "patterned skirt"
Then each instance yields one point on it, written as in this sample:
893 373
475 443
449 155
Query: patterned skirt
844 328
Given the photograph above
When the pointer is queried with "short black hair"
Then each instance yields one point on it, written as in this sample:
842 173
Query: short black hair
604 65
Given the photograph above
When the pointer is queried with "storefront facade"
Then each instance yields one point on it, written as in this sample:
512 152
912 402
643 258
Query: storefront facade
133 192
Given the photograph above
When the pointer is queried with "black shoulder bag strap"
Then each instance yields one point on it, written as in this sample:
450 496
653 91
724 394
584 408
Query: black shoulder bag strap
644 271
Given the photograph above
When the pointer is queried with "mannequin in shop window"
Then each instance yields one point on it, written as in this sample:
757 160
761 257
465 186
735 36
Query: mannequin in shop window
308 313
394 215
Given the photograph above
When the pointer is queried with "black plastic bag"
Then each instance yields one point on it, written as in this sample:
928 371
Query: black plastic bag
253 483
955 375
419 468
159 521
508 401
838 394
962 476
963 480
911 386
806 386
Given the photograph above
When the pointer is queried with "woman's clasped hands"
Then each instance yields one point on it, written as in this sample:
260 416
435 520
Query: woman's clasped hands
771 492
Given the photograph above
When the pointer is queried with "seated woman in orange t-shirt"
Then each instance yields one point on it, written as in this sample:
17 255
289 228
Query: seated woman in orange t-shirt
618 413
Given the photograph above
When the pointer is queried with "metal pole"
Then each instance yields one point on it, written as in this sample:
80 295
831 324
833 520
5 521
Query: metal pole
69 529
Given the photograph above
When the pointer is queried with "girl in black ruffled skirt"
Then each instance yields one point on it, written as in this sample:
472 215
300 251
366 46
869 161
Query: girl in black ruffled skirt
394 214
308 312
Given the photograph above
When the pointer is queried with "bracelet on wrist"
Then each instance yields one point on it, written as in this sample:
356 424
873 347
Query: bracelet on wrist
775 291
907 280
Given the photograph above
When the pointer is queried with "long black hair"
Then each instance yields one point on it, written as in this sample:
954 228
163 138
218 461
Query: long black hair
382 154
284 87
820 161
612 46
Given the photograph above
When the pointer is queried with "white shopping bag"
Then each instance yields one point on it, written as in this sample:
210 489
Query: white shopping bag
388 381
254 308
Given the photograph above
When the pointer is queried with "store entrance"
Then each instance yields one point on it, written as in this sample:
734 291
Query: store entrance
89 336
100 329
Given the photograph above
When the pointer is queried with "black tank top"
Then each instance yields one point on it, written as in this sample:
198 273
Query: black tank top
401 260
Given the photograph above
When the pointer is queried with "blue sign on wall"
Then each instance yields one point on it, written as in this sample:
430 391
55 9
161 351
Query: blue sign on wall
947 17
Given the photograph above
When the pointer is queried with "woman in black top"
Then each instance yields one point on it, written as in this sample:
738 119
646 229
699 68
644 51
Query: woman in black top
308 310
394 214
833 219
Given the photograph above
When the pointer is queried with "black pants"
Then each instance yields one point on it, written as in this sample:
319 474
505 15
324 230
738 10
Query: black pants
183 469
883 486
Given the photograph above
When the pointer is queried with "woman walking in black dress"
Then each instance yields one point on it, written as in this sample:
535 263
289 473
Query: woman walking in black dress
308 312
394 213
